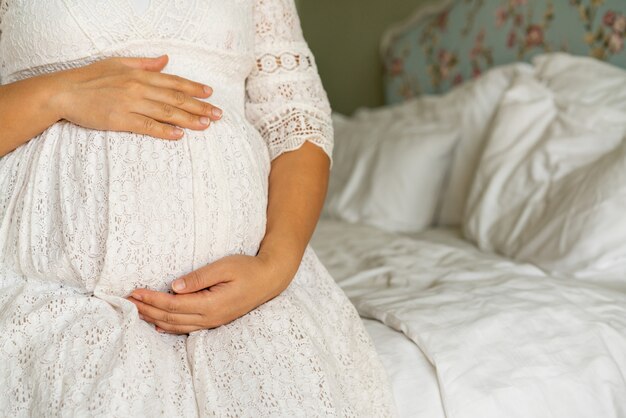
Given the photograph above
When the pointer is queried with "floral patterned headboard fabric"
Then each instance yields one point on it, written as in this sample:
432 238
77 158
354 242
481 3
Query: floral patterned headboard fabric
453 41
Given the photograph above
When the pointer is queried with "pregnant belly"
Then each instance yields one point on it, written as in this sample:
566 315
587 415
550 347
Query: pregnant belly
116 211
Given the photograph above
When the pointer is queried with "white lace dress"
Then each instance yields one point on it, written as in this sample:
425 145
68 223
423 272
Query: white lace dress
87 216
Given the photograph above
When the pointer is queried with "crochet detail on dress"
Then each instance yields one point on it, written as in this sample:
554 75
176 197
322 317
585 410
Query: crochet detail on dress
288 129
271 63
285 98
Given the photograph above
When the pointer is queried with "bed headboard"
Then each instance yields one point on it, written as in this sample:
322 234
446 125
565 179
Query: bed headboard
449 41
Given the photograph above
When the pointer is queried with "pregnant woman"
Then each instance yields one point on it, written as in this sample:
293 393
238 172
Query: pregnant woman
163 164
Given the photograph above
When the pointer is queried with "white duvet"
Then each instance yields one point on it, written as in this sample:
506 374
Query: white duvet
505 339
540 330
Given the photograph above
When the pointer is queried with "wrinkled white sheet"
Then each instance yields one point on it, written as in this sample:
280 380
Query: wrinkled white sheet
505 339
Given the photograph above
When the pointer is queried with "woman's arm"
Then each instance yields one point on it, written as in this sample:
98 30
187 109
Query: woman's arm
297 189
117 94
26 110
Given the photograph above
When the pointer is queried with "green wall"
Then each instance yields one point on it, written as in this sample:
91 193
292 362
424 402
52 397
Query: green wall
344 36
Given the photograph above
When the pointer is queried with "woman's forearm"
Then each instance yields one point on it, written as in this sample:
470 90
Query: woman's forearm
26 110
297 188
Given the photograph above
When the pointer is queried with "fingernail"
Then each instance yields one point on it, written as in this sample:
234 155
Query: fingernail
216 112
141 316
207 90
204 120
178 285
177 131
136 296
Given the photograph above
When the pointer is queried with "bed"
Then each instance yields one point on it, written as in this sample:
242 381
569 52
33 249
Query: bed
476 220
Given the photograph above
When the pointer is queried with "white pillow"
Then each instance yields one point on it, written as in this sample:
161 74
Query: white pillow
389 167
471 107
583 80
551 184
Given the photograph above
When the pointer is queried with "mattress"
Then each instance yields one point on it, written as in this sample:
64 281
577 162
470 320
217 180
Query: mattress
464 333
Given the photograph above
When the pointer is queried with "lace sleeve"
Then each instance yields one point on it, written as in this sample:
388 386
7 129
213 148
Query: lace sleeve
285 99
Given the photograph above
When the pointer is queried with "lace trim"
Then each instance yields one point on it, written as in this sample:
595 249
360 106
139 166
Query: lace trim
265 94
271 63
289 128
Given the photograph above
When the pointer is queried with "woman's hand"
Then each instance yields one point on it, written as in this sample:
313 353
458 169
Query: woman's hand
213 295
131 94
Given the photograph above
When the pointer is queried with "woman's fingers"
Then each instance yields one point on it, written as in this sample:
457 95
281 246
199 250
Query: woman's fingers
172 89
205 277
173 318
147 126
177 83
194 303
167 113
145 63
153 76
182 101
172 328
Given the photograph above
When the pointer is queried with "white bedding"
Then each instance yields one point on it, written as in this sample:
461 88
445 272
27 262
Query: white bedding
412 376
550 186
504 339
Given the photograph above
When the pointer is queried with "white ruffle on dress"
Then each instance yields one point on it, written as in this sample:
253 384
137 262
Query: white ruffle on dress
87 216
